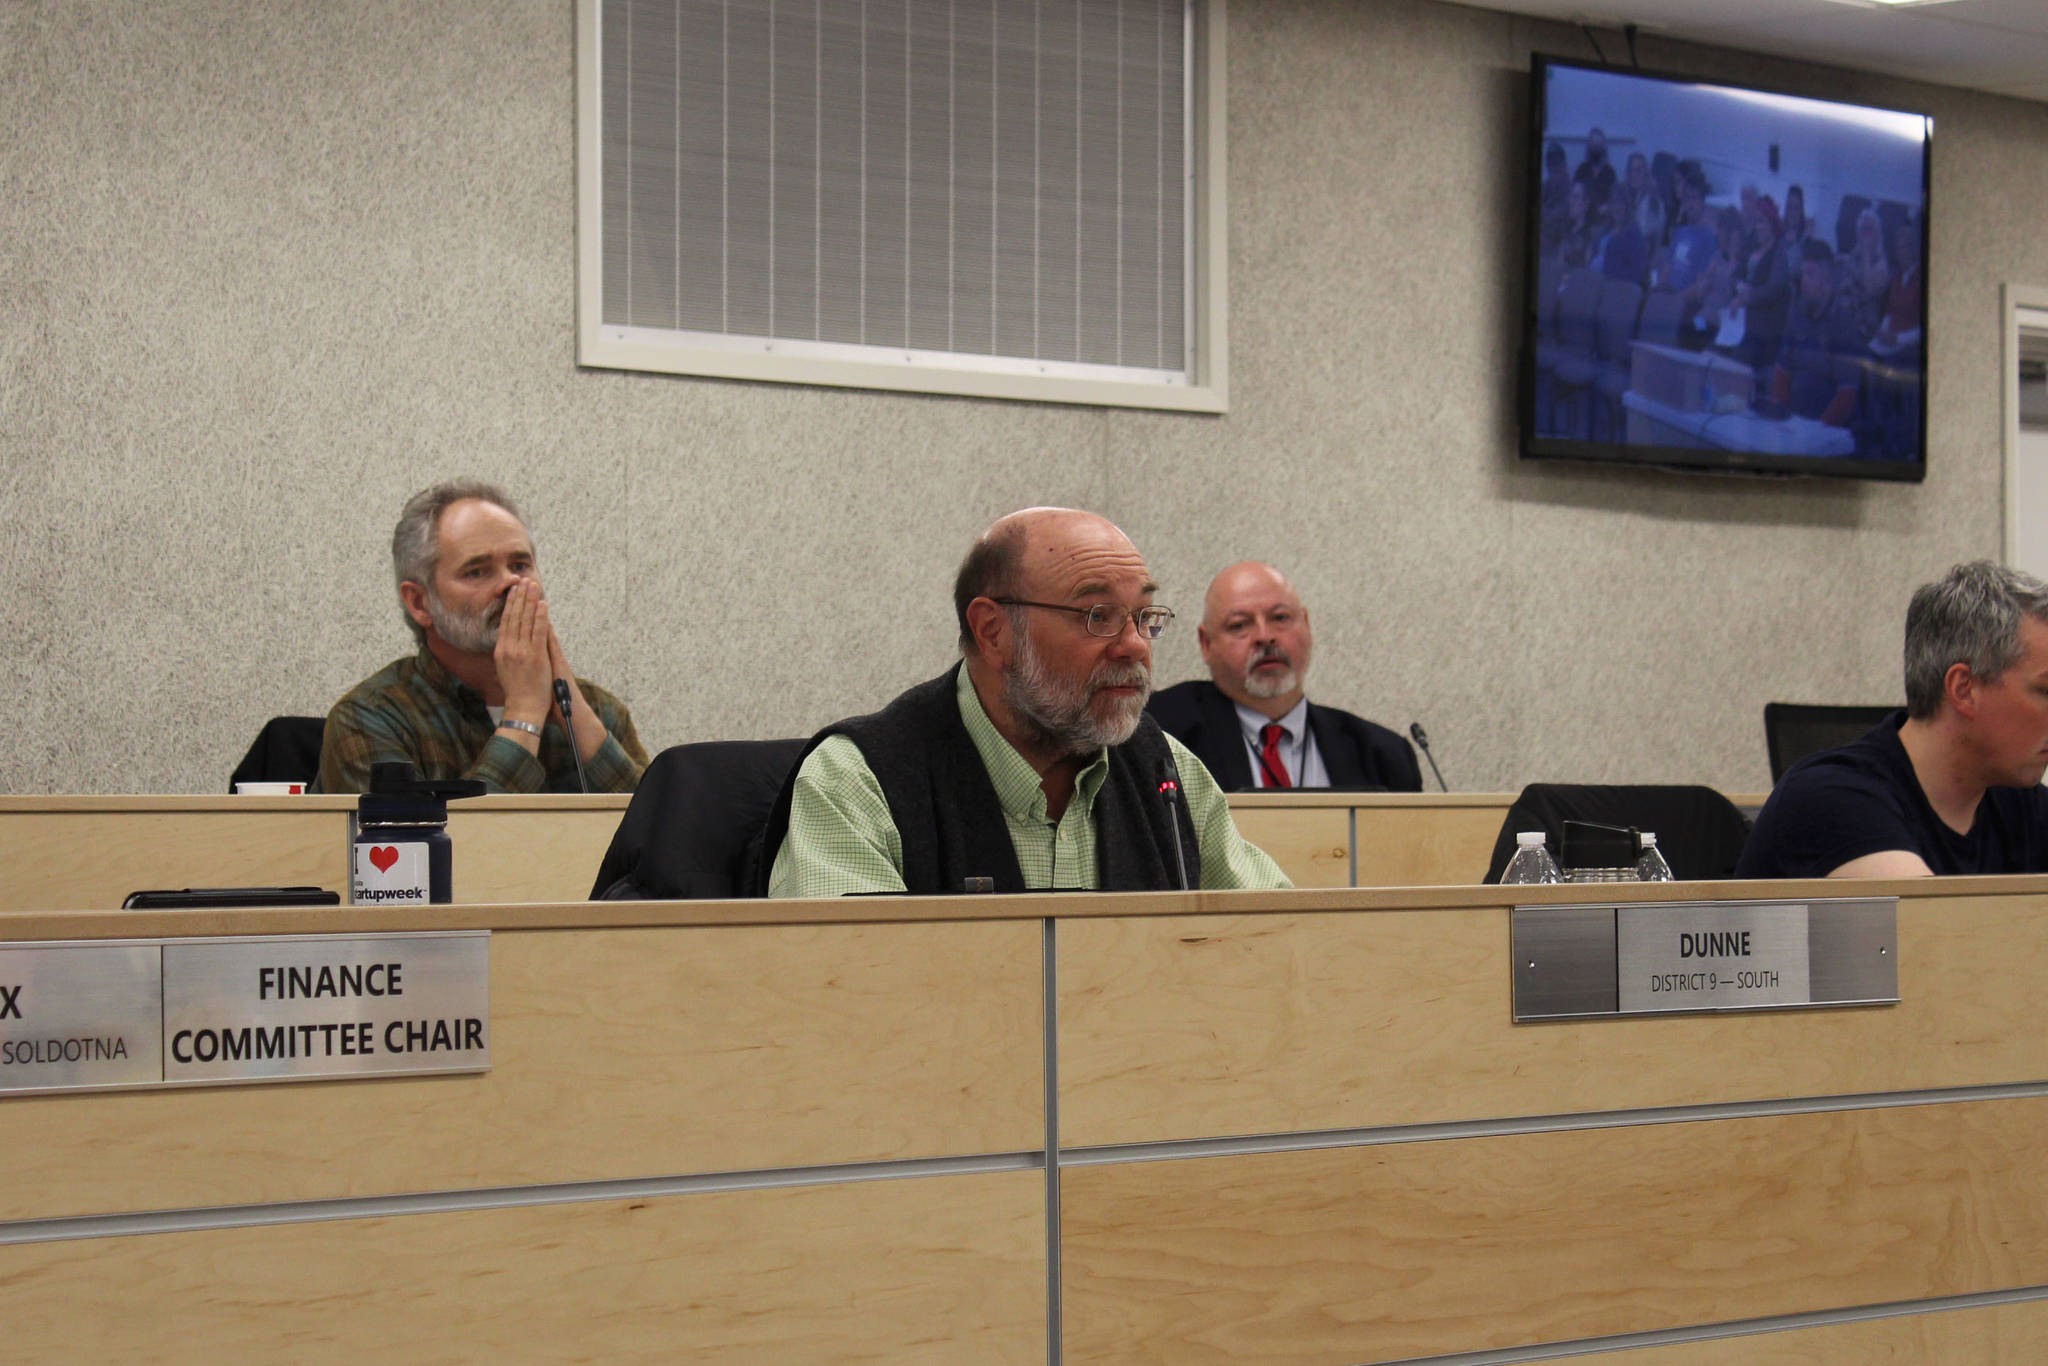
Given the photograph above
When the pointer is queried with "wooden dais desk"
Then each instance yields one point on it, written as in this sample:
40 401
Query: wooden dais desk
1298 1128
89 853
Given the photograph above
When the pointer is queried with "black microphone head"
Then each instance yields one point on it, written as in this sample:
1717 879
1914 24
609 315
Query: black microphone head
1418 735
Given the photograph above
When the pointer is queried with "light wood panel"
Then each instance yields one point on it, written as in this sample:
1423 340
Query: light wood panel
1996 1335
1406 1250
616 1054
1404 839
1196 1026
83 853
86 853
1427 845
512 855
1312 845
92 859
932 1272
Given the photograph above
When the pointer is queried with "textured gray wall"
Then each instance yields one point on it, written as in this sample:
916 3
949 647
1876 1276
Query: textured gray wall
268 268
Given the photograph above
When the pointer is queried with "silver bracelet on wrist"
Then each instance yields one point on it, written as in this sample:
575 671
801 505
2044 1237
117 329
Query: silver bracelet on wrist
509 724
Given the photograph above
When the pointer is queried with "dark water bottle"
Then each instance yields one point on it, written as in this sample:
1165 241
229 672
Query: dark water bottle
402 856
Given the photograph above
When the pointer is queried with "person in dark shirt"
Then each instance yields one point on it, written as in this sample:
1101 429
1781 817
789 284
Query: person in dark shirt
1694 240
1798 228
1713 290
1765 294
1581 228
1596 172
1637 181
1625 253
1898 330
1819 361
1950 785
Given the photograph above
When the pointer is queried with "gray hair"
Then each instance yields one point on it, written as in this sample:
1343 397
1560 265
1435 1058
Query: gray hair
416 543
1971 615
989 571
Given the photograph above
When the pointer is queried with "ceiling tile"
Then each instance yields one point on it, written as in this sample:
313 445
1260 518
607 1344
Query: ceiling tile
1922 44
1743 14
2015 16
1998 45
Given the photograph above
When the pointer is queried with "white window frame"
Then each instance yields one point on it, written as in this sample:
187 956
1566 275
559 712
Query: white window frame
2020 308
1204 389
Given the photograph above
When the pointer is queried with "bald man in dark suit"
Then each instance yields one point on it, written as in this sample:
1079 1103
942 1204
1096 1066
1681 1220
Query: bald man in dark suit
1251 724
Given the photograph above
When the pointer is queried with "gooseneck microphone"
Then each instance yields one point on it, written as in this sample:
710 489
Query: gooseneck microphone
1169 792
1421 739
562 705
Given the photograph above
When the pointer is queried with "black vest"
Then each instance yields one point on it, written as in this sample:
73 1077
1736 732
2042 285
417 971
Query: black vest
951 824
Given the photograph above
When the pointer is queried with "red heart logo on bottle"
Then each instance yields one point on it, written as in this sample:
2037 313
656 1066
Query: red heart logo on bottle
383 856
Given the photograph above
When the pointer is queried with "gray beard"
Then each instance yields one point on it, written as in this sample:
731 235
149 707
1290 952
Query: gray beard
1261 686
471 632
1060 716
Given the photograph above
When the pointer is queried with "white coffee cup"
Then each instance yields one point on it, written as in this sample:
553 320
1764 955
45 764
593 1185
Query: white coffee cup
270 789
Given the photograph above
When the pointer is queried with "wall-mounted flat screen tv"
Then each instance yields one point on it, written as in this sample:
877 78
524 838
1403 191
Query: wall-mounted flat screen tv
1723 278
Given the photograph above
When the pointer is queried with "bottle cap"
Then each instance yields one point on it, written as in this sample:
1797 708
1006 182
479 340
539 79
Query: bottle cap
398 796
1649 839
402 779
1530 839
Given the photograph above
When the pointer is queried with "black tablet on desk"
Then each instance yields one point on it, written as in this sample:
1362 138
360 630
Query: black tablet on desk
186 898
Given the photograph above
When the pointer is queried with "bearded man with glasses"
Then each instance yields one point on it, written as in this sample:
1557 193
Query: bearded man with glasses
1031 764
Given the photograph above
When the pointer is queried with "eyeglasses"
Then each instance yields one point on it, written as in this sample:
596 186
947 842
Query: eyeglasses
1107 619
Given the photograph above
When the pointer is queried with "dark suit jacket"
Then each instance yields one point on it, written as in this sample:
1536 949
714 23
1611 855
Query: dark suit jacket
1356 752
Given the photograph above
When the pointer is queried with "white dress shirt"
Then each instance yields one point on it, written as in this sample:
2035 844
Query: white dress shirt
1297 747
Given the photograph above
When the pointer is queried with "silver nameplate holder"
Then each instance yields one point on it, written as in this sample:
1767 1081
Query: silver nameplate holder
125 1014
80 1016
294 1007
1581 962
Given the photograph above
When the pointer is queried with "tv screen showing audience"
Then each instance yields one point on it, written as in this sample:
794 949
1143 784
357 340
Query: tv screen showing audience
1724 278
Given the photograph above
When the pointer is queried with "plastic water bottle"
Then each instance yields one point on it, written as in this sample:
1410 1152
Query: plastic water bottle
1532 861
1651 867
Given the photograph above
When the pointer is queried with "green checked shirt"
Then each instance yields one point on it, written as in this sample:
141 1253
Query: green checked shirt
414 711
842 839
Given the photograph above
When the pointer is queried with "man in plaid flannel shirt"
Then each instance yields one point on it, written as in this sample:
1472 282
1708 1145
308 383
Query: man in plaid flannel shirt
477 701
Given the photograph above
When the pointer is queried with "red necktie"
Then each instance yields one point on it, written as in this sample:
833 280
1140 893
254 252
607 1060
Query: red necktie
1270 762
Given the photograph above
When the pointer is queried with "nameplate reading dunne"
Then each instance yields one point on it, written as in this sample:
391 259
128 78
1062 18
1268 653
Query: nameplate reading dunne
158 1012
79 1015
1579 961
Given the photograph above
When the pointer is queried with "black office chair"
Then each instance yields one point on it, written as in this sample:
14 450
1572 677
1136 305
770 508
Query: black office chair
689 832
1793 730
1699 831
287 750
